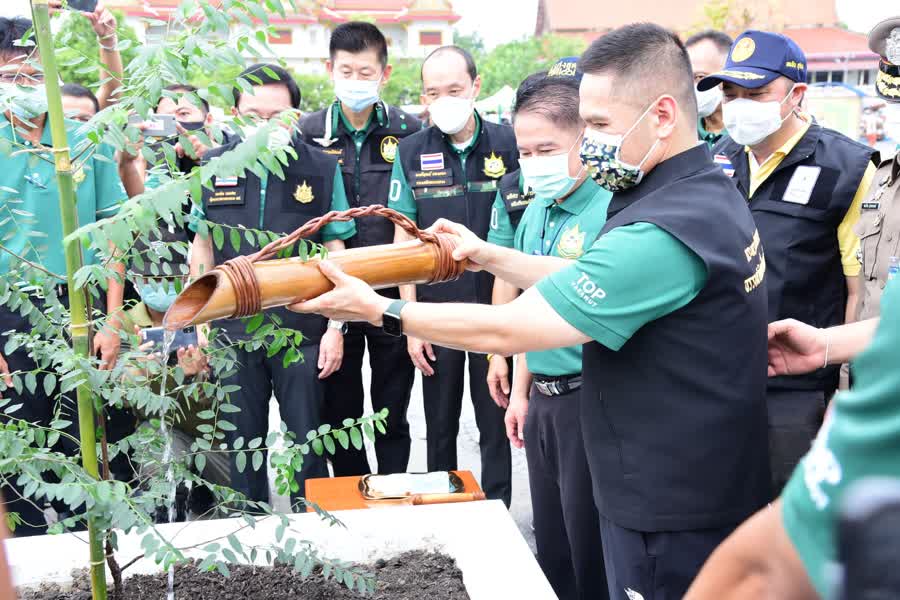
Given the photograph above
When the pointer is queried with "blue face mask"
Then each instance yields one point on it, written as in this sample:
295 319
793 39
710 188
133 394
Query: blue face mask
357 94
157 295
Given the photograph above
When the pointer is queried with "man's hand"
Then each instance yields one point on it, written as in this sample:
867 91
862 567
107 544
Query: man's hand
106 344
4 373
472 248
515 420
498 380
192 361
331 352
197 148
420 352
795 348
104 24
351 299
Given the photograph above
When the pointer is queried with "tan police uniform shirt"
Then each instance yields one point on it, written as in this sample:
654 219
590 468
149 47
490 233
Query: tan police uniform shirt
879 232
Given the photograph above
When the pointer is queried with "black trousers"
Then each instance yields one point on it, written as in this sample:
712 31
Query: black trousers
795 417
299 394
392 380
443 393
566 523
660 565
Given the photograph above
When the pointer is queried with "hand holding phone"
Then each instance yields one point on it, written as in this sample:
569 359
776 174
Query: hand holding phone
161 126
183 338
82 5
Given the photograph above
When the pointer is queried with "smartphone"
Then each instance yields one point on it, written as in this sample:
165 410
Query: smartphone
161 126
184 338
83 5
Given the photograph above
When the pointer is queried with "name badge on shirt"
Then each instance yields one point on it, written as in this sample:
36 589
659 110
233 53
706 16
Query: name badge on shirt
801 186
226 182
871 205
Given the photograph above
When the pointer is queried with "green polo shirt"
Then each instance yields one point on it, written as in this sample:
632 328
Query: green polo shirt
709 137
332 231
860 438
401 197
630 276
565 230
30 223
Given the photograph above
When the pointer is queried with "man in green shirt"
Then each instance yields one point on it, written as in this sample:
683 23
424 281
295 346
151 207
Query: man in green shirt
563 220
669 303
30 224
708 51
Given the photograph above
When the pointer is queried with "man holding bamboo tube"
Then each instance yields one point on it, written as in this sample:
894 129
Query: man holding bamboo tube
669 303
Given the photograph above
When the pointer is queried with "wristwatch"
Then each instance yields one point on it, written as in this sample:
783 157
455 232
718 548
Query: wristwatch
390 320
342 326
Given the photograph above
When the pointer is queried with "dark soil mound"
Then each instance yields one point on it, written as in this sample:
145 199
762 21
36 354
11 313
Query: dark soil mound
411 576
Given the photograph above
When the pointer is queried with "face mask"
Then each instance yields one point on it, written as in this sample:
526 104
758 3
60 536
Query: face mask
548 176
356 94
27 102
192 125
157 295
279 137
450 113
708 101
749 122
600 154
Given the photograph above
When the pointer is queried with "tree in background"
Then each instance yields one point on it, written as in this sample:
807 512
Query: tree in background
77 49
510 63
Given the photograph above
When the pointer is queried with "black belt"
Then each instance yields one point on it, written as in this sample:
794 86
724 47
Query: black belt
557 386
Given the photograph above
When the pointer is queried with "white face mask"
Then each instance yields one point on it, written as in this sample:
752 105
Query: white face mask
708 101
749 122
548 176
357 94
451 113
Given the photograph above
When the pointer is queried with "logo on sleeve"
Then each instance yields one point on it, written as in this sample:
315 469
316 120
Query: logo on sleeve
821 467
587 290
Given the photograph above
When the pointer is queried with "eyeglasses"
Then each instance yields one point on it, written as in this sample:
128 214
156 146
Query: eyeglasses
18 78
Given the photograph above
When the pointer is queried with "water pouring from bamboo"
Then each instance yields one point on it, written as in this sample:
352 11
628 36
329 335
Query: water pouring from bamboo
246 285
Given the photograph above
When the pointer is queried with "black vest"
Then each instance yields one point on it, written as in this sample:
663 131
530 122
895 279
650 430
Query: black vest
805 277
675 421
367 174
514 197
443 189
305 193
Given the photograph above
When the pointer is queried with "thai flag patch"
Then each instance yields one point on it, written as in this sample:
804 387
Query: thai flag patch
726 165
226 181
432 162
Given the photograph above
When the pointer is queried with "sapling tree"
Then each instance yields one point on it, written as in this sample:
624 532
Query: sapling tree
66 461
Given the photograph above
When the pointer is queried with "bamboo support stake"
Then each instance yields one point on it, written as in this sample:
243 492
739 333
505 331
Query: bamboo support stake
78 305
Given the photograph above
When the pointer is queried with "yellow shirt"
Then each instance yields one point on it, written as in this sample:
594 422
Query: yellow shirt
848 241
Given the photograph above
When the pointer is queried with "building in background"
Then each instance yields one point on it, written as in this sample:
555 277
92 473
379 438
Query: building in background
834 53
413 28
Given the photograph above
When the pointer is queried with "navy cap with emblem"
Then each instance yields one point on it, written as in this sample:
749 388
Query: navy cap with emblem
757 58
566 67
884 40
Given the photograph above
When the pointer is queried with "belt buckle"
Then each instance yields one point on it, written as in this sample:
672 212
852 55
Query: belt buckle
543 388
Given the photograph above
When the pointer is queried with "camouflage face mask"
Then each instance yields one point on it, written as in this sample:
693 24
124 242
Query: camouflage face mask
600 153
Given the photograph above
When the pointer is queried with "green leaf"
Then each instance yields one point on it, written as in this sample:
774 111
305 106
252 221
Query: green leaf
329 444
30 381
342 438
240 462
49 383
255 321
255 443
356 438
200 462
218 237
234 236
206 415
257 460
317 446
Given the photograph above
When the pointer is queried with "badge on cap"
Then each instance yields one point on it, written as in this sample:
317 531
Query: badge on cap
743 49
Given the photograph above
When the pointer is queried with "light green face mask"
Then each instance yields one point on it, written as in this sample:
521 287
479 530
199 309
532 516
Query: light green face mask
158 295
